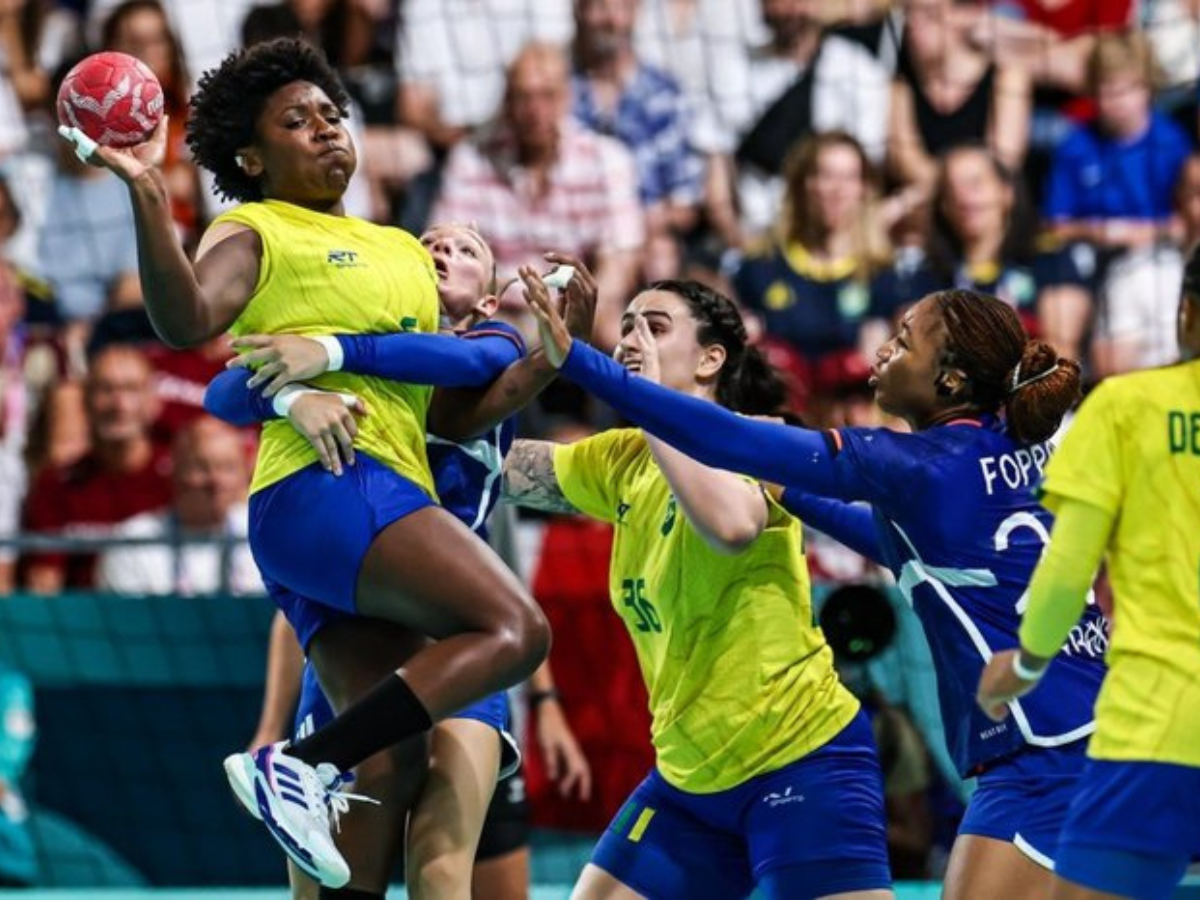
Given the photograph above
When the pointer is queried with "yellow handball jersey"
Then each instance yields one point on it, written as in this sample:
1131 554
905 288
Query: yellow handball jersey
1134 451
324 274
740 678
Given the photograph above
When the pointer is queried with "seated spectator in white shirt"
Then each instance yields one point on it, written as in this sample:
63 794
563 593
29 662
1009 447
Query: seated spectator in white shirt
805 80
210 483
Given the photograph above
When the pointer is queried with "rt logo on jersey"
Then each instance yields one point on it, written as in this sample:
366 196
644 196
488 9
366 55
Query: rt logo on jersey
343 259
775 799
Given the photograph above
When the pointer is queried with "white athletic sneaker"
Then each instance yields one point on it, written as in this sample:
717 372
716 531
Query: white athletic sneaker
294 801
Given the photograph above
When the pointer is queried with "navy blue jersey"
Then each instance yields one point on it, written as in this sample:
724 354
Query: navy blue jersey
960 529
955 518
468 474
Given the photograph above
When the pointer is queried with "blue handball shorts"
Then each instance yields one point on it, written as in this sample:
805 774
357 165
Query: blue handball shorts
313 711
813 828
1024 799
1132 829
310 532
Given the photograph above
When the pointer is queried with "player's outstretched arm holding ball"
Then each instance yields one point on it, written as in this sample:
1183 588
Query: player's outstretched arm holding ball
188 304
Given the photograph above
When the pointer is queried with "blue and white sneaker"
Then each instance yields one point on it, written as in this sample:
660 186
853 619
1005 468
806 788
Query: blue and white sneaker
294 800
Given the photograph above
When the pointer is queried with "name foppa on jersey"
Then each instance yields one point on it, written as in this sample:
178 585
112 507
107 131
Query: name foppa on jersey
1019 469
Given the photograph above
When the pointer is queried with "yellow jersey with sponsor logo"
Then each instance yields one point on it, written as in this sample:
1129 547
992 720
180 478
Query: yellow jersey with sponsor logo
741 681
1134 451
323 274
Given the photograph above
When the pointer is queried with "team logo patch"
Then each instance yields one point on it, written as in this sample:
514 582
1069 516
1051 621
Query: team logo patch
774 798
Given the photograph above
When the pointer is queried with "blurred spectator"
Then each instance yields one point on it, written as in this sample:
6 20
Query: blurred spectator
859 624
1050 39
804 81
599 704
948 93
1138 297
616 94
87 244
1173 29
454 55
810 281
340 28
452 60
706 45
18 858
36 36
14 419
983 239
122 474
541 180
39 310
208 29
180 379
1112 181
210 482
140 28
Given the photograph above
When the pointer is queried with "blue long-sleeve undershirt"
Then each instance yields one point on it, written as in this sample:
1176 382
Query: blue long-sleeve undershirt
440 360
847 523
434 359
794 457
229 398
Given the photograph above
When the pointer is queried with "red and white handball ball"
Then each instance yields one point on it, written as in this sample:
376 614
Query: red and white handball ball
113 98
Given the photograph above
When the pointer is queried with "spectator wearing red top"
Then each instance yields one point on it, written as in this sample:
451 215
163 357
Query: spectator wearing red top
590 730
123 473
1050 39
180 378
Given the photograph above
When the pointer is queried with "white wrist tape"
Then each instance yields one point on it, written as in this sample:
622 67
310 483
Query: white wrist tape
84 145
333 349
283 402
1024 672
559 277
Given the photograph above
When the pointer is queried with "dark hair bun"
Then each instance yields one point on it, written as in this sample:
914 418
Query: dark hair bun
1042 388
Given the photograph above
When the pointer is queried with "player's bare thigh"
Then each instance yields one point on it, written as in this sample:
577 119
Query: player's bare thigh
983 868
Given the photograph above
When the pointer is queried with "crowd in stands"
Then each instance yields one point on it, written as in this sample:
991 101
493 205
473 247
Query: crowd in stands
823 162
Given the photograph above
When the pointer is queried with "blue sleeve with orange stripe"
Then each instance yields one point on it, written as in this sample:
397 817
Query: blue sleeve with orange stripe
434 359
706 431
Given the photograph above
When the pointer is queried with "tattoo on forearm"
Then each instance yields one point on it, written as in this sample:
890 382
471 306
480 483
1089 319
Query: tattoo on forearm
529 478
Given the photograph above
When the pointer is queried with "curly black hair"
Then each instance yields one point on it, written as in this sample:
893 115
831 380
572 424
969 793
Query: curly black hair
231 97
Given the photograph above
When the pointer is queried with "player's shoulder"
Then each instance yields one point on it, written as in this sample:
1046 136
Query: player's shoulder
619 446
495 328
1146 390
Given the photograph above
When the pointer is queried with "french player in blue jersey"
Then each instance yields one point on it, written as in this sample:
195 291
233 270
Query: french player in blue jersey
445 828
950 510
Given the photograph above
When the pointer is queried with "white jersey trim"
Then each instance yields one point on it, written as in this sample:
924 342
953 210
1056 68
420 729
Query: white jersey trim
916 572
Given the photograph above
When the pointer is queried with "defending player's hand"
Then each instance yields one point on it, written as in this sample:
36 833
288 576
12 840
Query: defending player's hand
580 294
129 163
999 684
279 360
638 351
566 765
556 339
329 421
